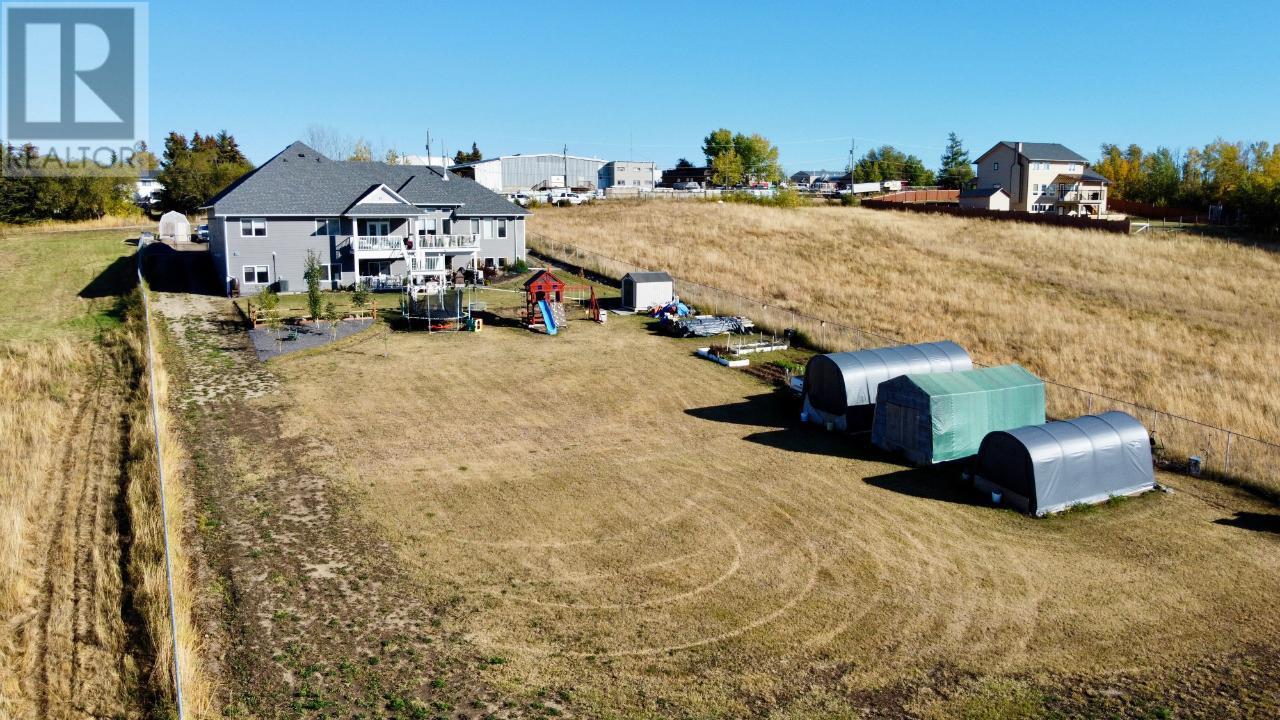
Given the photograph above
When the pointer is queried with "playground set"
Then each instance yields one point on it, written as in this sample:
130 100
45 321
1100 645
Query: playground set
545 296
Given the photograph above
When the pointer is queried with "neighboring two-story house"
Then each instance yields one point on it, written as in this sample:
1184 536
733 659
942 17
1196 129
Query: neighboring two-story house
1043 177
382 224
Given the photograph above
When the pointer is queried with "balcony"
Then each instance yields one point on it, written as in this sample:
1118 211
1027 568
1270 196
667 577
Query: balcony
379 243
447 242
1081 197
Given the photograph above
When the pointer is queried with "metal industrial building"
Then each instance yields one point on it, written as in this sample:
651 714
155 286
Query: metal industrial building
629 174
513 173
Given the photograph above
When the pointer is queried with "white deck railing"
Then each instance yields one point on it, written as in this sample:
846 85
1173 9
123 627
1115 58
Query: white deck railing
379 242
448 242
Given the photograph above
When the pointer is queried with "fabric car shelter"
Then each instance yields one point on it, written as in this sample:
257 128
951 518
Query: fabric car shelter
936 417
175 226
840 388
1042 469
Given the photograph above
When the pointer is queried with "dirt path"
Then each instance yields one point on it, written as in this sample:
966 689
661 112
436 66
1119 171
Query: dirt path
222 364
81 652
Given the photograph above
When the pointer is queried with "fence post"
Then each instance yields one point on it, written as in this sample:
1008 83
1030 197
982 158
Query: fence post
1226 458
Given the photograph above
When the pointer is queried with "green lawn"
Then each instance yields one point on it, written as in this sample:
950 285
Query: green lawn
60 284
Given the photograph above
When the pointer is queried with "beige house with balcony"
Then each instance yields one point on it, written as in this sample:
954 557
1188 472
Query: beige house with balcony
1043 177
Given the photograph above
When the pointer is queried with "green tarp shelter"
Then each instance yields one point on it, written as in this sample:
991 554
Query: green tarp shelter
936 417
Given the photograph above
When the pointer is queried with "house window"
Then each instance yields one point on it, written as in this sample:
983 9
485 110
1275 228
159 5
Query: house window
1072 167
379 267
256 275
326 226
446 226
502 228
488 230
995 167
622 182
1035 188
427 226
502 262
253 227
475 226
488 262
329 273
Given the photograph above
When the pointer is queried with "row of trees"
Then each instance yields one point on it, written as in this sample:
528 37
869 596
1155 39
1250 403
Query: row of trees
740 159
194 171
85 192
888 163
1242 177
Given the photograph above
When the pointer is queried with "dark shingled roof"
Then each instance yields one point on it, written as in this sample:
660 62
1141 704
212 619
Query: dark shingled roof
1051 152
648 276
981 192
1094 175
384 210
301 181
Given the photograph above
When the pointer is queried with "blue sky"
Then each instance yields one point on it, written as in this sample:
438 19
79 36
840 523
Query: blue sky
646 81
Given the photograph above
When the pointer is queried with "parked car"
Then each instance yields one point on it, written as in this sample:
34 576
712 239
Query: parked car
687 186
568 199
202 232
521 199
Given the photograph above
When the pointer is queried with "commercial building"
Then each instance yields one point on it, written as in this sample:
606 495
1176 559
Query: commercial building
545 171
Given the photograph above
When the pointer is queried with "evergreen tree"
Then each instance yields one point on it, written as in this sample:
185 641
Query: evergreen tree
193 172
956 170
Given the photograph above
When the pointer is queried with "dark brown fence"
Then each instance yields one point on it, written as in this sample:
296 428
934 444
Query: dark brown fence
1115 226
1156 212
921 196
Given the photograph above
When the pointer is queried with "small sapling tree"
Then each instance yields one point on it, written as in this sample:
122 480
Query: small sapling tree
312 272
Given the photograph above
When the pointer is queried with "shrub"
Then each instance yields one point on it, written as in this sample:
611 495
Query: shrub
311 273
360 297
519 266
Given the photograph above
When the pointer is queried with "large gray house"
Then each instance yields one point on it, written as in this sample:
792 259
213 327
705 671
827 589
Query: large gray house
367 221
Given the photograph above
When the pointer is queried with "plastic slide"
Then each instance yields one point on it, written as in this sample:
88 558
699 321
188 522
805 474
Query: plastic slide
547 318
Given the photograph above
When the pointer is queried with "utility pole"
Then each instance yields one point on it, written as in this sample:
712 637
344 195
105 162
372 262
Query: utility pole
566 166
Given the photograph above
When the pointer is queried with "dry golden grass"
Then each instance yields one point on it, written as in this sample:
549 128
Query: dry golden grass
147 560
615 517
36 384
71 415
59 226
1180 323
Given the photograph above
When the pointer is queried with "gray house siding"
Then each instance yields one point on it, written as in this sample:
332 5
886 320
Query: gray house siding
284 251
217 245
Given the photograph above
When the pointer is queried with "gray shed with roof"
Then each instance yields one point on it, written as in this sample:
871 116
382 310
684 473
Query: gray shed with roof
840 388
1041 469
646 289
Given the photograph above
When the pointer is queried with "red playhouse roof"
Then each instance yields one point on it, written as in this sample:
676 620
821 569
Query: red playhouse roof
544 280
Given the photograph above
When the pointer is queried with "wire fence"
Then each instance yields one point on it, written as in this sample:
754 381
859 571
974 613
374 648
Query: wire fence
164 506
1181 444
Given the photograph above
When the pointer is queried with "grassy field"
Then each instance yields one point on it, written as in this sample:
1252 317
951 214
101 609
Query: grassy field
633 532
78 520
1180 323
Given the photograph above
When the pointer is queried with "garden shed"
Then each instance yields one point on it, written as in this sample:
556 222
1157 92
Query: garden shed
936 417
174 226
1042 469
840 388
641 290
